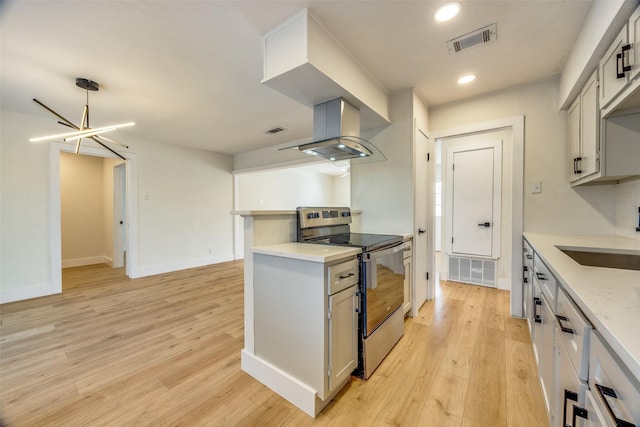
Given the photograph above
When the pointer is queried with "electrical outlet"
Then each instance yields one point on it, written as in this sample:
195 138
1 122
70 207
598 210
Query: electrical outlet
536 187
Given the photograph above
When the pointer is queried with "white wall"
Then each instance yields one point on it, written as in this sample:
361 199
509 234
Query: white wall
627 205
384 190
283 189
82 209
559 208
185 215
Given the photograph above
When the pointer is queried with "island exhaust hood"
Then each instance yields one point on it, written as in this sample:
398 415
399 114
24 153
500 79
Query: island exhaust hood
336 133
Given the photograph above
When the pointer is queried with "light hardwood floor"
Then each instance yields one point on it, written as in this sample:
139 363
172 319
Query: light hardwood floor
165 350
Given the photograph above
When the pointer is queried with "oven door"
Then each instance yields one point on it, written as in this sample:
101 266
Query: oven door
383 285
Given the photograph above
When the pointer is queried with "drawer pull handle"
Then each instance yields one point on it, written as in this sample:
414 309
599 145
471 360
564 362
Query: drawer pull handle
529 256
536 316
568 395
347 276
540 276
525 268
607 394
579 412
564 328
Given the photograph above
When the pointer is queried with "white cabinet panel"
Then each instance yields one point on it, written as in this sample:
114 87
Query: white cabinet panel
612 79
343 336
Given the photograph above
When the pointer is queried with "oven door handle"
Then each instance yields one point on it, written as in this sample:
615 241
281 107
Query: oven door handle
369 256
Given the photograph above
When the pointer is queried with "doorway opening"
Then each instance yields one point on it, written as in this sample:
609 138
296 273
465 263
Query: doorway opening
93 216
511 210
92 203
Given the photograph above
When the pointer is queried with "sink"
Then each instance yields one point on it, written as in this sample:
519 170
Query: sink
623 259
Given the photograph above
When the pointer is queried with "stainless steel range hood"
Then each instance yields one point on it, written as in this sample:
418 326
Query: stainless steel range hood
336 133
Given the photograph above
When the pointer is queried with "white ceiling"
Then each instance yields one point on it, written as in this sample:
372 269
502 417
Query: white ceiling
188 72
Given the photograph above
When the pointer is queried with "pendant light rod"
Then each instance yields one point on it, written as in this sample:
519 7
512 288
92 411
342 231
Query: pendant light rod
65 120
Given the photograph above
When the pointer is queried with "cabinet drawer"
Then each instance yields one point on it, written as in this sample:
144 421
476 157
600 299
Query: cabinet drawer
546 280
574 331
342 275
616 391
527 253
408 249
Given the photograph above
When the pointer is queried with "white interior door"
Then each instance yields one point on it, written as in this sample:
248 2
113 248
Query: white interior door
119 215
472 202
475 188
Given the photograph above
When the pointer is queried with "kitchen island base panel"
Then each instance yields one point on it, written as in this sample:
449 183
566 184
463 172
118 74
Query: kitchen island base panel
296 392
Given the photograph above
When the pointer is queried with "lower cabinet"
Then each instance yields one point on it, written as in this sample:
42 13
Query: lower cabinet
306 320
408 283
583 381
571 391
343 336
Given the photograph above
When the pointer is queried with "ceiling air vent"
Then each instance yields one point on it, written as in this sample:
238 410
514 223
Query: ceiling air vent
275 130
475 38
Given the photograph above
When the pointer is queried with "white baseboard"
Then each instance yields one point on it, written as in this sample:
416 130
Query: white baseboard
296 392
177 266
79 262
19 294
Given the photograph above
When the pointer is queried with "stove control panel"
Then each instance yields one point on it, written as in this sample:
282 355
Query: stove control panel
309 217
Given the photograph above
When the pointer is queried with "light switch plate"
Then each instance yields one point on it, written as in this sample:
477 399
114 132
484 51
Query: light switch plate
536 187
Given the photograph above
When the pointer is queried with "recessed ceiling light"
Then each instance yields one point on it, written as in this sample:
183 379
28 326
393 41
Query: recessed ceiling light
466 79
447 11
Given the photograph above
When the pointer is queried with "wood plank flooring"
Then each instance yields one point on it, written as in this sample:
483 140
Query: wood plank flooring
165 350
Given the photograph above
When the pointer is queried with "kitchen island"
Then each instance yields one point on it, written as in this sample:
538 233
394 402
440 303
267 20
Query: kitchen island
292 344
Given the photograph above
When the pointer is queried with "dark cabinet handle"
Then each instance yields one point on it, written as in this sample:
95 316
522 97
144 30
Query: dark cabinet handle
619 75
540 276
347 276
525 268
525 279
608 393
625 48
569 395
579 412
536 316
577 165
484 224
564 328
529 256
421 231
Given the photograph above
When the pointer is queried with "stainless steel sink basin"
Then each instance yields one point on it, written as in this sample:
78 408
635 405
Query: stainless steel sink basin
624 259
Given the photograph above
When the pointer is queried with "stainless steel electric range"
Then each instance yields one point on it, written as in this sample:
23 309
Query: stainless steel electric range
381 286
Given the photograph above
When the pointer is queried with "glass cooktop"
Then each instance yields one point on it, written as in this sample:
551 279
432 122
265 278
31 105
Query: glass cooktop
367 242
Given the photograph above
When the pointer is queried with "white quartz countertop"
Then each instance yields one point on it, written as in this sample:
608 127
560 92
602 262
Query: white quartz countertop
609 297
307 251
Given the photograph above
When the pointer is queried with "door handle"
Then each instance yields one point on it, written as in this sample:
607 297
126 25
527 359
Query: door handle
484 224
421 231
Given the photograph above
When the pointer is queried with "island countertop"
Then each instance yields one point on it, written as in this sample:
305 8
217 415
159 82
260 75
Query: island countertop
307 251
609 297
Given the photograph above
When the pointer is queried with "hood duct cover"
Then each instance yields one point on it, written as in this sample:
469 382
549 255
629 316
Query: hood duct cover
336 134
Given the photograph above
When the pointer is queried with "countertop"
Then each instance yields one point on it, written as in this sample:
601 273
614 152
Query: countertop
307 251
610 298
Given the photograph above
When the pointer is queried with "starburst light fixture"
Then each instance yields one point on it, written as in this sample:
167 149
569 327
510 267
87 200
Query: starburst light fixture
83 130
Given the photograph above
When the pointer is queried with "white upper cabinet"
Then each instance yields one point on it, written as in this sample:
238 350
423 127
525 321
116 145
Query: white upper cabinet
584 130
620 70
634 41
613 78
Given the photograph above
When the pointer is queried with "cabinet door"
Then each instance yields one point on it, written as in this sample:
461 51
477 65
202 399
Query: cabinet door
634 40
546 361
589 128
570 392
343 336
610 68
406 306
574 139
